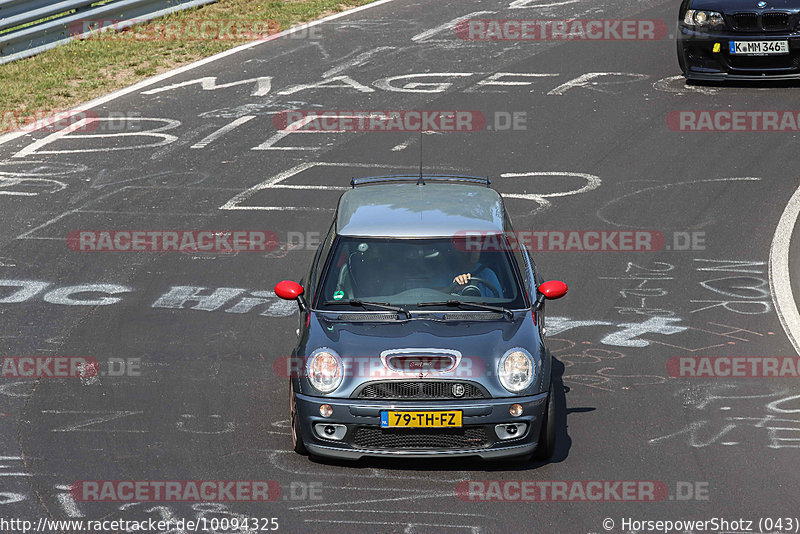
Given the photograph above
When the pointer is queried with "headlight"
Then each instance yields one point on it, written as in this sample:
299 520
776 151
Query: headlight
517 370
709 19
324 370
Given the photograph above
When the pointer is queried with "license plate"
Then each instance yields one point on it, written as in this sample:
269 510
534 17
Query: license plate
421 419
759 48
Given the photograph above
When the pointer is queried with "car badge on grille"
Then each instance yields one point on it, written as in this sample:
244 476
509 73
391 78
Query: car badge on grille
458 390
762 4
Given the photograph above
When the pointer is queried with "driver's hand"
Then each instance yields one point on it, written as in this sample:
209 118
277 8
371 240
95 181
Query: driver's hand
462 279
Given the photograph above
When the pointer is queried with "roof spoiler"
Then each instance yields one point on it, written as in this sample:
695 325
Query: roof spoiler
420 180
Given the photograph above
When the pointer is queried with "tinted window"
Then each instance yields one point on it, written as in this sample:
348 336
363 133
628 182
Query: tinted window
409 271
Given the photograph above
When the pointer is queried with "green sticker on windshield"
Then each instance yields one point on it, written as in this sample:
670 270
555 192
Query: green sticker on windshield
339 295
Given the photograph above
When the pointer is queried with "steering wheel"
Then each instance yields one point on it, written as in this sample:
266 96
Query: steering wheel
471 289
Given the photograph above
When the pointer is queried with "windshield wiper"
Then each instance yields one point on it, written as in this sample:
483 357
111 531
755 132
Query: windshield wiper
465 304
366 305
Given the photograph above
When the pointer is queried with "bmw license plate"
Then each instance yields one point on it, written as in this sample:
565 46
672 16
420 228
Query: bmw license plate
421 419
759 48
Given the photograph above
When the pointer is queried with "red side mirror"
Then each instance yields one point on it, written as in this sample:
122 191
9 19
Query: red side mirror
288 290
554 289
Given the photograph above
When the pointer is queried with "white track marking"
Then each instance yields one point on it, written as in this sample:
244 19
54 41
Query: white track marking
448 26
30 149
10 473
677 85
209 83
494 79
592 182
421 87
780 283
383 511
165 139
67 502
233 204
318 507
585 81
7 497
526 4
102 417
297 128
666 186
311 187
51 221
356 61
191 66
439 526
222 131
402 146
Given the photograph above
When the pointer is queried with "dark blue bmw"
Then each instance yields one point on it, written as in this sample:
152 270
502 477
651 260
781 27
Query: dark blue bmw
739 39
421 328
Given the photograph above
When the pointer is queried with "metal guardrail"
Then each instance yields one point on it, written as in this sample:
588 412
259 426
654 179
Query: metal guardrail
36 38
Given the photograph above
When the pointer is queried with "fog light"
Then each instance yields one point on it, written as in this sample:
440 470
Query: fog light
515 410
330 431
510 431
325 410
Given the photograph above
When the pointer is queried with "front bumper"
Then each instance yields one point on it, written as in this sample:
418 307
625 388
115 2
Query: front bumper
700 62
365 437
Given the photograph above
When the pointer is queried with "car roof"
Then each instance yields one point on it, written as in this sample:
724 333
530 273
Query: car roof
416 211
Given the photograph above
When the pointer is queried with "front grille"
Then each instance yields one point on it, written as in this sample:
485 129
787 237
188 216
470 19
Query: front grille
401 438
763 62
745 21
769 21
775 21
398 390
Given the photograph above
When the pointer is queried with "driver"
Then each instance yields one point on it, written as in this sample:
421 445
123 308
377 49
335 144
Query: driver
471 264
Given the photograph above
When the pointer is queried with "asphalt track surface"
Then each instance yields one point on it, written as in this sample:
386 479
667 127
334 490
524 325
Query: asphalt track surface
208 404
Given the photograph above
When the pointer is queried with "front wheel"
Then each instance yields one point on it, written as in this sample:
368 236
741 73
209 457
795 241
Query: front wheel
681 58
297 438
547 434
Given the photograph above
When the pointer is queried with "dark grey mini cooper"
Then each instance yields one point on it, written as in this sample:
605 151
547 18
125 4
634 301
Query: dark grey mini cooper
421 328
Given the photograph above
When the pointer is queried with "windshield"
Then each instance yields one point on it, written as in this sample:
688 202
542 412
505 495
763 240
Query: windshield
408 272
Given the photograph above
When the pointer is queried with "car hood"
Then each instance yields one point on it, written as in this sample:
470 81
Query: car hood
480 343
735 6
